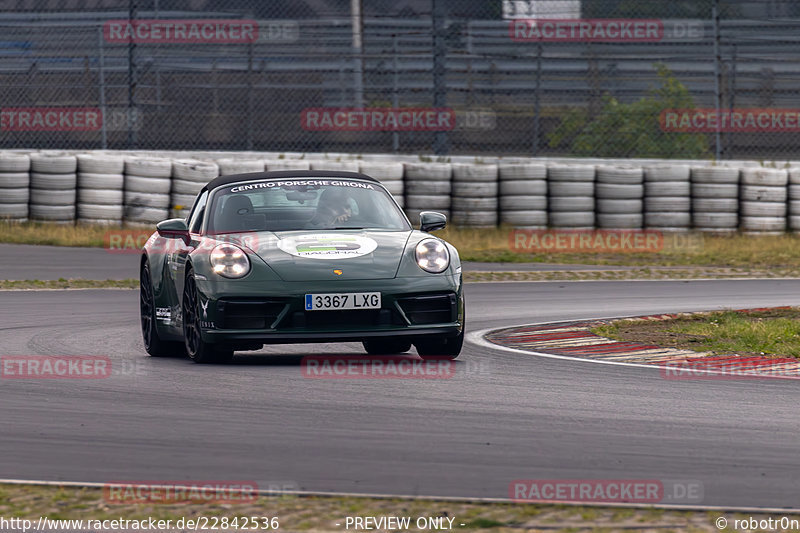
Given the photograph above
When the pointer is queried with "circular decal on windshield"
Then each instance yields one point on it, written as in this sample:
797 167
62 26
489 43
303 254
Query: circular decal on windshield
328 246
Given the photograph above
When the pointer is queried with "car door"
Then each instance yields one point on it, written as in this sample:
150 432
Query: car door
179 256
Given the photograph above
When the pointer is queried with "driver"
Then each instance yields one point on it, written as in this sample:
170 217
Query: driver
333 208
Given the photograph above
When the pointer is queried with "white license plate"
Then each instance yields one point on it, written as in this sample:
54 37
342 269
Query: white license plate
344 301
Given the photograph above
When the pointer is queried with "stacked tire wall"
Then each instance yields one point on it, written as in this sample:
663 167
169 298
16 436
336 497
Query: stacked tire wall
144 188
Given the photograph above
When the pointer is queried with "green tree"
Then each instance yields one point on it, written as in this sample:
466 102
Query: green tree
633 130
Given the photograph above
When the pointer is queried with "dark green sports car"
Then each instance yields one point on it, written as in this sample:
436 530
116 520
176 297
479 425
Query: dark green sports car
299 256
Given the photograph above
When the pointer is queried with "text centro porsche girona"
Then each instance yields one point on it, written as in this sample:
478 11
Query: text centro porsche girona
299 256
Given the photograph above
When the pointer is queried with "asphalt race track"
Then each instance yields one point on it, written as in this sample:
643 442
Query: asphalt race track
503 416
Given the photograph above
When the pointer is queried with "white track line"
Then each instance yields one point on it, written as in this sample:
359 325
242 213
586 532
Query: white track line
464 499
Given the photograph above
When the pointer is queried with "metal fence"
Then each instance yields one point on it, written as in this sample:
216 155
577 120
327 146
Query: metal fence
502 77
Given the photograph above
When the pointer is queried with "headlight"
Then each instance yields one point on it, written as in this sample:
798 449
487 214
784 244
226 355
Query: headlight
230 261
432 256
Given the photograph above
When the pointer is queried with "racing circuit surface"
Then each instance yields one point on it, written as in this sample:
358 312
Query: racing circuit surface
503 416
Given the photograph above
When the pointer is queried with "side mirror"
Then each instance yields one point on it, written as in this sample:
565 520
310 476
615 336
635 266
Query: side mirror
174 228
431 221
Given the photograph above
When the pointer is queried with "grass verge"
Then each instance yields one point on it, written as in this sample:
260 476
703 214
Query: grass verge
780 252
772 333
62 283
315 513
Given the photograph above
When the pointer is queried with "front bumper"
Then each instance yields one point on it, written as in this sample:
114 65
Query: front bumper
259 313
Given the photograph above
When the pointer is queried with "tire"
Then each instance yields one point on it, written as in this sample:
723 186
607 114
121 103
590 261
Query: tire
443 349
198 350
763 223
764 176
14 210
100 164
427 202
794 222
427 171
524 188
475 219
15 163
159 201
230 167
715 220
619 207
186 187
620 175
271 165
626 221
186 201
467 172
383 172
153 344
145 215
570 203
667 188
148 167
522 171
567 188
47 197
428 187
718 175
571 173
60 213
15 196
100 197
524 218
53 164
196 171
666 204
715 205
715 190
669 173
339 166
105 182
523 203
386 346
469 204
53 182
613 191
759 193
794 176
667 220
14 180
572 219
762 209
87 211
395 188
793 190
794 207
148 185
474 189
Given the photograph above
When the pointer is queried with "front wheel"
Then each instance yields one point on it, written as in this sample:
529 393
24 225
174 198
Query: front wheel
153 344
198 350
445 348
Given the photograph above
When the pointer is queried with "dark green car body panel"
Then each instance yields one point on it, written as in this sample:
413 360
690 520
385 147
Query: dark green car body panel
278 281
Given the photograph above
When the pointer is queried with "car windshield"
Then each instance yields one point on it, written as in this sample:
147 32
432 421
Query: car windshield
303 204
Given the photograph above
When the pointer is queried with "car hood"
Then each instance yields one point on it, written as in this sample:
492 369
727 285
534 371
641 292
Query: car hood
327 255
